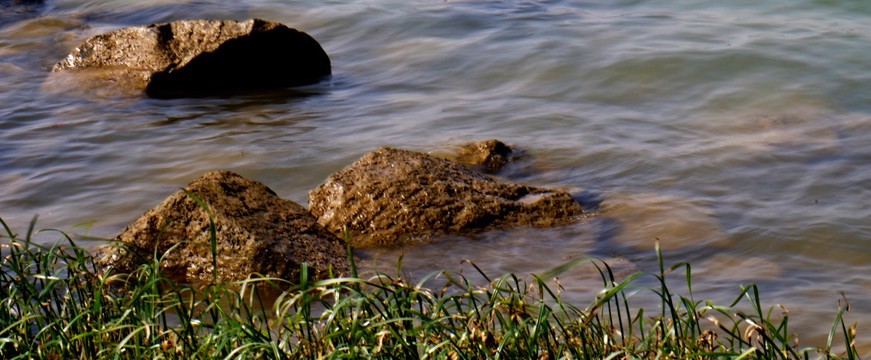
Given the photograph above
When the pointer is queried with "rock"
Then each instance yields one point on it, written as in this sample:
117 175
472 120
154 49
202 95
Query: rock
392 197
198 57
257 232
488 155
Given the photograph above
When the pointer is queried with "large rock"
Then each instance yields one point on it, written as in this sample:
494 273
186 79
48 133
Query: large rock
198 57
257 232
392 197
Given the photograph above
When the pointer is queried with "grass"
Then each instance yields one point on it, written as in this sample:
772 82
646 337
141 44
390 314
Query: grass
54 304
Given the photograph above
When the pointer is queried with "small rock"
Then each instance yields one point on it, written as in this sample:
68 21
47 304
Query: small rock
490 155
198 57
257 232
393 197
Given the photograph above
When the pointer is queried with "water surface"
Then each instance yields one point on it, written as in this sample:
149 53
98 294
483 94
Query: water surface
737 133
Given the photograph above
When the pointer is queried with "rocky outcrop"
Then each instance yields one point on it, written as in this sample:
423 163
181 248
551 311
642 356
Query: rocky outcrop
197 57
393 197
256 232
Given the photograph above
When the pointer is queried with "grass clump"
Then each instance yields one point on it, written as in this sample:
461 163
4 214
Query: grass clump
54 304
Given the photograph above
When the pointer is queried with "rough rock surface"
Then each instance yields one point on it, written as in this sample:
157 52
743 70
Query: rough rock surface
199 57
393 197
489 155
257 232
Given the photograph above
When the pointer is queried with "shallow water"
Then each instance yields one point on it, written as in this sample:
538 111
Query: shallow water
736 133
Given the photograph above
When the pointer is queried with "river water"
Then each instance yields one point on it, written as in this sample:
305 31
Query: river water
738 133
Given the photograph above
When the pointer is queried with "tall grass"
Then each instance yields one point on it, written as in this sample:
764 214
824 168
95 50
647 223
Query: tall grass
54 304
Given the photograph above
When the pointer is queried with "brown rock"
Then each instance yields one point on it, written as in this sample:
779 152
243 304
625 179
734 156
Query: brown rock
256 232
199 57
392 197
489 155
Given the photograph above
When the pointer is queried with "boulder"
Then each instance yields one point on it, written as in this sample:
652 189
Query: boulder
488 155
393 197
256 232
197 57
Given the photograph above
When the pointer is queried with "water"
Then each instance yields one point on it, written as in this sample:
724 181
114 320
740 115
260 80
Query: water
737 133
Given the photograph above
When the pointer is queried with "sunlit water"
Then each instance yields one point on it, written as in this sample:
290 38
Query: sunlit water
737 133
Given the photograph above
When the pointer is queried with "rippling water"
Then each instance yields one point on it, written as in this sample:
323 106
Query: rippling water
738 133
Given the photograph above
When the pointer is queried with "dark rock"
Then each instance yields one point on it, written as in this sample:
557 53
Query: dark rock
200 57
488 155
393 197
257 232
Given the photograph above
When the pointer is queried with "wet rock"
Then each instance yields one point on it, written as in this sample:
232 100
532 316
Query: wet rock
256 232
198 57
488 155
392 197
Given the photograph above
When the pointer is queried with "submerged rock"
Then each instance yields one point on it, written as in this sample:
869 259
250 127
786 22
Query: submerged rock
677 223
393 197
489 155
256 232
197 57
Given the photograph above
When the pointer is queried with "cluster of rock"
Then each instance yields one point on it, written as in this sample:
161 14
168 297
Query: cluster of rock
389 197
226 227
